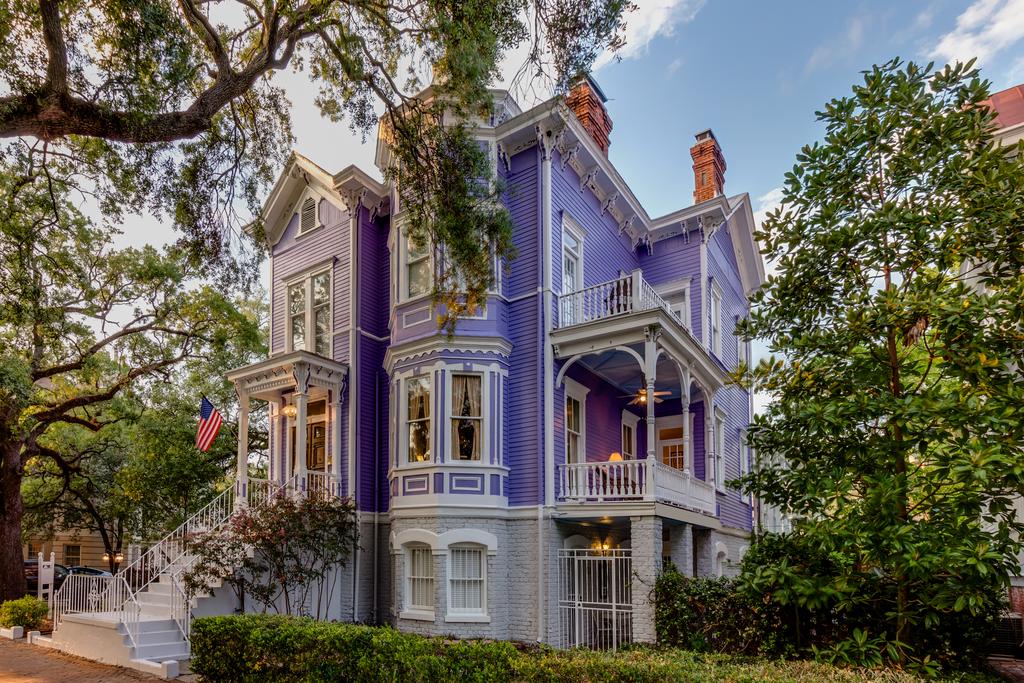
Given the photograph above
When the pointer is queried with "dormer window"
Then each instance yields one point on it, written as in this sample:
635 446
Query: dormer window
308 216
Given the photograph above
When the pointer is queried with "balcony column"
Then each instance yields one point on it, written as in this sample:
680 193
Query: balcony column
336 440
301 398
684 396
242 463
709 437
650 374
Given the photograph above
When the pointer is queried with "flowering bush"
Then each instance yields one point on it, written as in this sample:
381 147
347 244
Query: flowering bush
281 555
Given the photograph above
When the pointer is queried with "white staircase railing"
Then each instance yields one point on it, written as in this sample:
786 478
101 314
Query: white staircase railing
109 596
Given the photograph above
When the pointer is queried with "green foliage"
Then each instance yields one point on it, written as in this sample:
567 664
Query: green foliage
711 615
895 435
27 612
278 553
280 649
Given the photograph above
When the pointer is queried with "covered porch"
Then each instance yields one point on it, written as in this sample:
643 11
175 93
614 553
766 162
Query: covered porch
305 393
651 384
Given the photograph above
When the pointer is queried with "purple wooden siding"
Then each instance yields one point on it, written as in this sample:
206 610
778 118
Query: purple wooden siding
371 433
606 252
674 259
733 510
524 436
700 455
293 254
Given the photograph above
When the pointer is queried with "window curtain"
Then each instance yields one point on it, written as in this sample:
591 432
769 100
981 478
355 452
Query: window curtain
466 403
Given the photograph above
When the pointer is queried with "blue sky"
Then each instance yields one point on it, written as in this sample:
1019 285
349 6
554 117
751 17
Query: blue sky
753 71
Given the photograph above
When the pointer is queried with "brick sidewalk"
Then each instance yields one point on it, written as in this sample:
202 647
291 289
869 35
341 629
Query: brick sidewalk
1010 669
24 663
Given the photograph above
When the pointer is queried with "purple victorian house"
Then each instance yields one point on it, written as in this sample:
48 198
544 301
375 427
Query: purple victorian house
528 477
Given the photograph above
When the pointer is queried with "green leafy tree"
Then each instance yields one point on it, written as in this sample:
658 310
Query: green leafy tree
896 436
171 104
80 323
140 475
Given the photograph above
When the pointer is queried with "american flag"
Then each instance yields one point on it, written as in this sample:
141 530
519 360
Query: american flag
209 425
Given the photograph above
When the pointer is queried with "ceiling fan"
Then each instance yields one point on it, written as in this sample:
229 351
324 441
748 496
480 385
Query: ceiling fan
640 397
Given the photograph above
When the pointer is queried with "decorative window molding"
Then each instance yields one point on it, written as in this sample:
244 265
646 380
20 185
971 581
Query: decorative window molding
716 319
309 322
572 255
419 582
574 423
467 583
630 421
677 294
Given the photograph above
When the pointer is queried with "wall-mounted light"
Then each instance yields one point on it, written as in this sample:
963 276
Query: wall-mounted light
615 457
289 411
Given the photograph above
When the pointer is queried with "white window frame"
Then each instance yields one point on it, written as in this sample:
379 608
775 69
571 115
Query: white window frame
716 320
576 230
577 391
485 402
480 612
718 434
409 609
306 278
403 460
671 422
403 268
632 421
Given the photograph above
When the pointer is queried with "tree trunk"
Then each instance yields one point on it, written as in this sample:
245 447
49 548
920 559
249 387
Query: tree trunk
12 568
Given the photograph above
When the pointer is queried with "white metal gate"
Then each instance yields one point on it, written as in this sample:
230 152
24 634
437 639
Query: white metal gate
595 608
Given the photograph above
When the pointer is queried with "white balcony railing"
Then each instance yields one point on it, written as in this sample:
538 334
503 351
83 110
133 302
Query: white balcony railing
322 485
628 294
628 480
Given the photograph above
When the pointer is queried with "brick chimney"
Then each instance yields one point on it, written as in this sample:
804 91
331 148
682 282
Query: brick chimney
708 167
587 101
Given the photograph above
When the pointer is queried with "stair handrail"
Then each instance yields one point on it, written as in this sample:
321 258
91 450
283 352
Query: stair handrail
88 594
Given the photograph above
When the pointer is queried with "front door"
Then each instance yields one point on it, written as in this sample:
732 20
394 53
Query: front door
316 447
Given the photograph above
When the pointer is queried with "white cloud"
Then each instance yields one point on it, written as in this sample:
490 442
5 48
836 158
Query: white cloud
652 18
767 203
984 29
674 66
828 52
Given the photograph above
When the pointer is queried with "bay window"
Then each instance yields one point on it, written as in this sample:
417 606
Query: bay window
467 417
418 419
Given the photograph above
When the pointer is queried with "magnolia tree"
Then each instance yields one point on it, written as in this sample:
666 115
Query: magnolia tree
284 555
895 437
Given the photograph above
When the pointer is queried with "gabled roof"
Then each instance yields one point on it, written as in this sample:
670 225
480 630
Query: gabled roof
299 173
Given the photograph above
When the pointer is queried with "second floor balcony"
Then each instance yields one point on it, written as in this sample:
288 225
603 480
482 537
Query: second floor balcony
634 480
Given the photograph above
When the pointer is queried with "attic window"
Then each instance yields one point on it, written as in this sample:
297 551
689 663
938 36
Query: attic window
308 215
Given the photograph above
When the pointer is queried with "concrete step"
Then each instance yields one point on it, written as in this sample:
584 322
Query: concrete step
158 652
149 610
162 636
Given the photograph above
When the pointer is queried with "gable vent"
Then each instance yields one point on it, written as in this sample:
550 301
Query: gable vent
308 215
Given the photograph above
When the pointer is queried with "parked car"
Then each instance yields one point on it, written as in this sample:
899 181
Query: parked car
88 571
60 572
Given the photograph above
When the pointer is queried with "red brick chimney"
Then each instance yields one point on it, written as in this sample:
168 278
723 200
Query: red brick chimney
708 167
587 101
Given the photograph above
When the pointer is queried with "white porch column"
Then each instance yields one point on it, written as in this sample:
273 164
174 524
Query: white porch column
709 437
301 400
242 464
650 374
687 427
273 445
336 438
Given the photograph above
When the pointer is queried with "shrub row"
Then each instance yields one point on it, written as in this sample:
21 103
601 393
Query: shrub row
28 612
279 649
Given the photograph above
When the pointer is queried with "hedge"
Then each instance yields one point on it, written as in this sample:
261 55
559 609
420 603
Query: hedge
281 649
28 612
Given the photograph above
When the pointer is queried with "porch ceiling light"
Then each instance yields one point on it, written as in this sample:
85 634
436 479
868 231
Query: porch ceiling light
289 411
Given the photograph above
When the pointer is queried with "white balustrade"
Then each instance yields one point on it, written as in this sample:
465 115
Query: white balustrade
322 485
623 480
627 294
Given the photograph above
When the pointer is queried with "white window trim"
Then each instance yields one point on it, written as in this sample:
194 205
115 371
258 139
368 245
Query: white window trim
307 276
579 392
468 616
718 434
403 268
668 422
715 318
571 226
410 611
317 223
403 417
674 289
630 420
485 422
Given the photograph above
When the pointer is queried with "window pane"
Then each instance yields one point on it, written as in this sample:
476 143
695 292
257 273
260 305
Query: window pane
419 277
299 332
466 395
297 298
466 439
321 289
322 321
413 251
670 433
419 398
572 448
570 241
572 414
419 441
